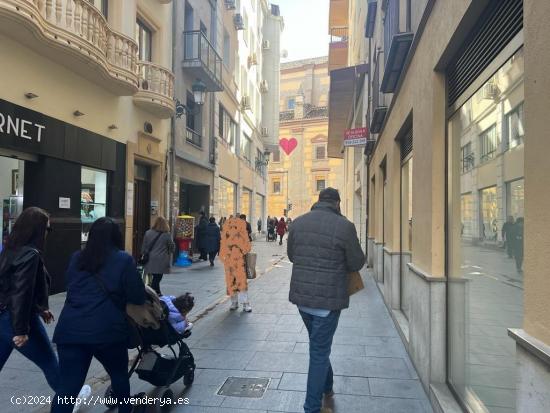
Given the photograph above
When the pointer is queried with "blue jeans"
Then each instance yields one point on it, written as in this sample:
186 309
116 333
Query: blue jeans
74 362
320 377
38 348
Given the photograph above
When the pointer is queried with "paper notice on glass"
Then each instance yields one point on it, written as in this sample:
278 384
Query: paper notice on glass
130 199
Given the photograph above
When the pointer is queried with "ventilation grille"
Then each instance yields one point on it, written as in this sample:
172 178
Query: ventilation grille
497 26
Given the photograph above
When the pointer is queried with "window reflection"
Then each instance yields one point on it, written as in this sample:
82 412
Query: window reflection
485 240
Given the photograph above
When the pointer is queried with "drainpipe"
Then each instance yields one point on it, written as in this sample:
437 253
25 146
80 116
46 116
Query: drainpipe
172 150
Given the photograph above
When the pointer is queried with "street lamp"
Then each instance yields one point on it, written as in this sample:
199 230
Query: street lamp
199 94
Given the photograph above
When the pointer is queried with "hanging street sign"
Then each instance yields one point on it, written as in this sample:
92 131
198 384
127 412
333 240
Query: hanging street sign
356 137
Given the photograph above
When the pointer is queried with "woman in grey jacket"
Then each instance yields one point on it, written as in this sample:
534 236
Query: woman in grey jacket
158 244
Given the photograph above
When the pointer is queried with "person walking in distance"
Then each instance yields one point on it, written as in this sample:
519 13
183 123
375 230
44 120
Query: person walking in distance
259 225
506 233
281 230
212 240
323 248
159 247
516 238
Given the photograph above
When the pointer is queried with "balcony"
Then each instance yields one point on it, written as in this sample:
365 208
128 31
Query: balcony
201 60
75 34
156 90
193 137
338 48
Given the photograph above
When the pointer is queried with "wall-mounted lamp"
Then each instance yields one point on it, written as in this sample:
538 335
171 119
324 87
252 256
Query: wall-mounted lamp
113 127
30 95
199 94
78 113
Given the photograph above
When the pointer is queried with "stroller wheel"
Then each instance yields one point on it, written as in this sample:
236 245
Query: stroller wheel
109 397
189 378
167 394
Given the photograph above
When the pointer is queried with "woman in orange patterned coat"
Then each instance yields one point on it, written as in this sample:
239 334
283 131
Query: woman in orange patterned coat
235 244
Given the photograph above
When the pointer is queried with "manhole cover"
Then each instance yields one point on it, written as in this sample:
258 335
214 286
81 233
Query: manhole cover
252 387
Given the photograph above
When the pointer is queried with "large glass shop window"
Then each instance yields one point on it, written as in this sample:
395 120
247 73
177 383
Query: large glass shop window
93 198
12 172
227 198
485 240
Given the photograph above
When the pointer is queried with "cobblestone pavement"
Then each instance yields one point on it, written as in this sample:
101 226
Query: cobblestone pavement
372 370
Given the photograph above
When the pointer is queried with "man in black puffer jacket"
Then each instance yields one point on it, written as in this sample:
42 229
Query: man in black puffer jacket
324 248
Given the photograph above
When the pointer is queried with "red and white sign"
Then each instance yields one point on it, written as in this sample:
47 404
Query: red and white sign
356 137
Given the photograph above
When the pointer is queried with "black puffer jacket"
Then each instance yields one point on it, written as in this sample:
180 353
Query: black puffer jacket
324 249
24 286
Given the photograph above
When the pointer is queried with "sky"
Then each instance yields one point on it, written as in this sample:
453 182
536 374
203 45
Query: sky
306 28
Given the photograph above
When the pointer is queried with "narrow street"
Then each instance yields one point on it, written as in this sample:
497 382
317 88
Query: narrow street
372 370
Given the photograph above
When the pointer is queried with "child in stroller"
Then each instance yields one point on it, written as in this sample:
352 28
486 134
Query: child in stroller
156 368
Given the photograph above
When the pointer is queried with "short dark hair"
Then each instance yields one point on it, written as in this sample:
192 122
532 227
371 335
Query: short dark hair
212 220
329 194
29 229
242 216
103 236
184 303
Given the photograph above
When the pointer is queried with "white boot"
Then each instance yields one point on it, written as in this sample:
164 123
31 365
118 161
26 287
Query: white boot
243 298
234 302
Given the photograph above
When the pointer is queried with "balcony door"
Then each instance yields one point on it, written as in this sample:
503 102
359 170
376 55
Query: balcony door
144 39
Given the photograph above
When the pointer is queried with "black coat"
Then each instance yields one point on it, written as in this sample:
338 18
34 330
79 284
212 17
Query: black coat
24 286
200 235
89 315
212 238
324 248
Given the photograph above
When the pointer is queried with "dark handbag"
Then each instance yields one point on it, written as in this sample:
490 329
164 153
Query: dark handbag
144 258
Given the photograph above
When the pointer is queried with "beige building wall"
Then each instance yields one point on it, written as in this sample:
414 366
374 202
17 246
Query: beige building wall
31 63
304 86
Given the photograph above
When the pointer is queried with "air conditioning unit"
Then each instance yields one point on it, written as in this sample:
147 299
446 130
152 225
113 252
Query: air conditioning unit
238 21
245 102
252 59
264 86
230 5
490 91
266 45
265 132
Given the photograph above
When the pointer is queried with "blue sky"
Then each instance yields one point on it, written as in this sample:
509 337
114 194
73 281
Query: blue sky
306 27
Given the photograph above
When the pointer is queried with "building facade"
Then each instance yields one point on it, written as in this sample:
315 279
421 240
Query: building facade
86 94
221 144
455 179
300 168
348 103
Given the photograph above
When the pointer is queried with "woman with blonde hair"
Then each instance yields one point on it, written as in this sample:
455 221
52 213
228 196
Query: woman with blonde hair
156 252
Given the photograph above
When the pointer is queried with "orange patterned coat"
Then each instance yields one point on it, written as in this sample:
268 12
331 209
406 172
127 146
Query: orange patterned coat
235 244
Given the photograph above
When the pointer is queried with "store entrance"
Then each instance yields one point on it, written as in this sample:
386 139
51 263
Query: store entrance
142 205
12 172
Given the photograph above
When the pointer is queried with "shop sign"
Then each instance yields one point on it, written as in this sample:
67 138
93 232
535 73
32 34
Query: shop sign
20 128
356 137
64 203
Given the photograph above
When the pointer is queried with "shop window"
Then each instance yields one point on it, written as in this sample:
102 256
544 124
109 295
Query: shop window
514 126
144 39
320 184
485 284
488 144
246 203
276 186
468 160
12 172
93 198
320 152
227 198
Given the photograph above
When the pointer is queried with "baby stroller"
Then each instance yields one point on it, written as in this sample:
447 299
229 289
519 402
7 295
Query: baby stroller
271 235
159 369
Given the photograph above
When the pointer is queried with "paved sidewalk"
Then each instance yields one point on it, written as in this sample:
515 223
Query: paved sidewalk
372 370
19 377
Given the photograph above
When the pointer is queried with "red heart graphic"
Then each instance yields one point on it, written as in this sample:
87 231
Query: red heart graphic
288 145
